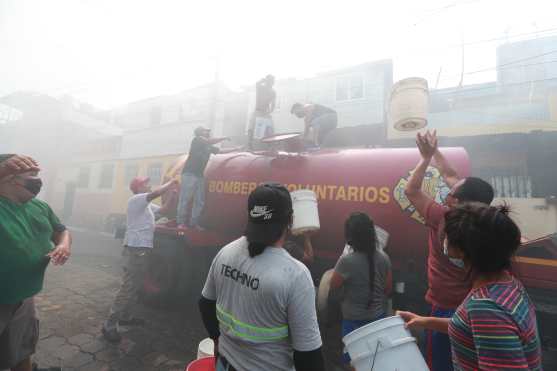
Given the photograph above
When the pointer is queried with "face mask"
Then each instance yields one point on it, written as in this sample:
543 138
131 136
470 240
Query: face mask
33 185
455 261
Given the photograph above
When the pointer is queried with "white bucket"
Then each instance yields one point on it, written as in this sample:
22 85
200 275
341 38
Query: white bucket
306 214
409 104
384 345
206 348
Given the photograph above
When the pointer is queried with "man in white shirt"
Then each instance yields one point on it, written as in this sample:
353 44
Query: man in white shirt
137 245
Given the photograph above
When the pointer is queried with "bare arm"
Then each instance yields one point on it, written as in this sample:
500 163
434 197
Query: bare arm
336 280
308 250
413 189
414 321
163 189
447 171
230 150
213 141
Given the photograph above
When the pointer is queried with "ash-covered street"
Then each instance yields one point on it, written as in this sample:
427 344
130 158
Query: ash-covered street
75 302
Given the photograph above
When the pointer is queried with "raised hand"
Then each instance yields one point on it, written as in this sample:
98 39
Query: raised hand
18 164
427 144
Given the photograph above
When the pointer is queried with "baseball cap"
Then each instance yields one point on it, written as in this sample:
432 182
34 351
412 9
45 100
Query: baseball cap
269 207
200 130
137 182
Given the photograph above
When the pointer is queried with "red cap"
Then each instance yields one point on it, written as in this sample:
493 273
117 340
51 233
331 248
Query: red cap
137 182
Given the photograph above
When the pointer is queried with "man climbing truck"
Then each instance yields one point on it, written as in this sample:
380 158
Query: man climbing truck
344 180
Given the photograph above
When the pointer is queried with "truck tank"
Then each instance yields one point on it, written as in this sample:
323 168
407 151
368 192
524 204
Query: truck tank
345 180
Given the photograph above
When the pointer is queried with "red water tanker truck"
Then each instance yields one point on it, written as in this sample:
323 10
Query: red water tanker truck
371 180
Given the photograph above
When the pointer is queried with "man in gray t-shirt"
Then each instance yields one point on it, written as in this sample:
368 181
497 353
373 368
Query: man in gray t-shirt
359 303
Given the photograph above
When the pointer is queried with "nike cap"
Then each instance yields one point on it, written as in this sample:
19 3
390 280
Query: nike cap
269 208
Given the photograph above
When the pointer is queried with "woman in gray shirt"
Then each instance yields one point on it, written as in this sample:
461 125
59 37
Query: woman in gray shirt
364 273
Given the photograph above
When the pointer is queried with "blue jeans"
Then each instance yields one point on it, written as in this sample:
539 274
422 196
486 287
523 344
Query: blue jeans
351 325
438 346
192 186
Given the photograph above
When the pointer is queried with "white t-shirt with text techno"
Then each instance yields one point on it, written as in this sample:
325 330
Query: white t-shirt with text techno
257 296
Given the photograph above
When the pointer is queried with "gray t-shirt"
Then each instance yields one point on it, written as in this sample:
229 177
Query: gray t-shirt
358 302
265 306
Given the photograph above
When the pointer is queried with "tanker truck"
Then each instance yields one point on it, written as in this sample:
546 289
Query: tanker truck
371 180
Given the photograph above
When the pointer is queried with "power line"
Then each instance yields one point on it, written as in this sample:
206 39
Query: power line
511 67
497 68
526 59
437 92
506 37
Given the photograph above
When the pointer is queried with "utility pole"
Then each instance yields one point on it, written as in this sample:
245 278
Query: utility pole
462 67
215 95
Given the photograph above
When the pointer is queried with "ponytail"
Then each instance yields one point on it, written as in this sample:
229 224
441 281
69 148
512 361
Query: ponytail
359 232
256 245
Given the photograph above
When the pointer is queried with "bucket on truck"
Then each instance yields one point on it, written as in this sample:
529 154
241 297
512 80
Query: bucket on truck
409 104
384 345
306 214
206 348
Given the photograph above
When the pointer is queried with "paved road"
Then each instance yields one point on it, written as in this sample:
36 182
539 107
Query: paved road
76 300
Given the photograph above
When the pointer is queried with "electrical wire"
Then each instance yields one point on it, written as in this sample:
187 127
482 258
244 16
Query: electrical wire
443 90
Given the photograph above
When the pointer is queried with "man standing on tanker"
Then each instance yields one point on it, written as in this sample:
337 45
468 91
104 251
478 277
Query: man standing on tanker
193 180
261 123
448 281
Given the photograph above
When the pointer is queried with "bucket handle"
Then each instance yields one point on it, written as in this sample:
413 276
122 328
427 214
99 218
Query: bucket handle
386 343
383 341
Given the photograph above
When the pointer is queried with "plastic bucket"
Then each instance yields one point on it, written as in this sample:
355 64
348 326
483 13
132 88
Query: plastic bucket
203 364
306 214
384 345
409 104
206 348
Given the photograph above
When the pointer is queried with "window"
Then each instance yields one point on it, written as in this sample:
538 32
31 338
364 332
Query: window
512 186
154 172
107 173
83 177
131 172
350 87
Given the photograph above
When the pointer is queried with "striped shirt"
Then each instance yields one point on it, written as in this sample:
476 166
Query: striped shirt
495 329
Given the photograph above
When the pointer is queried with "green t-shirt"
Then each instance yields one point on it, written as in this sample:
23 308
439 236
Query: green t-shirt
26 232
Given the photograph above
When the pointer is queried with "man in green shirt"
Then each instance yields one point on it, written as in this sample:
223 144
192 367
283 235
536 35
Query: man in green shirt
32 236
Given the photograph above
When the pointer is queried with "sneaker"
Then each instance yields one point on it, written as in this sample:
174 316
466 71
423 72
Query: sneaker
111 335
134 321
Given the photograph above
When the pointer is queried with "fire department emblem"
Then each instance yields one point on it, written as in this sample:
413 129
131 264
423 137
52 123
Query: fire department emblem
433 185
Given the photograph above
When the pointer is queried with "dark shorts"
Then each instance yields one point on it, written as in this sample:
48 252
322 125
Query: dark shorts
19 332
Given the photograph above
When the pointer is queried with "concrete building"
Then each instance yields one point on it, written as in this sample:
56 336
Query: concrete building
58 134
357 93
